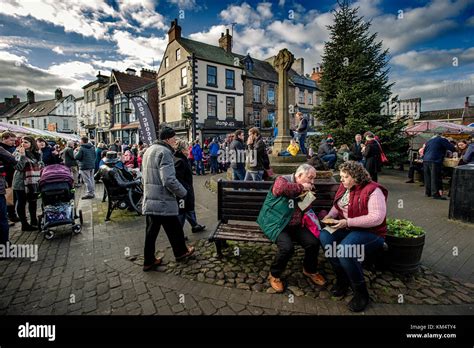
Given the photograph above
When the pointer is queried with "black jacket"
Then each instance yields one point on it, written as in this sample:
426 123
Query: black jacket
48 157
184 174
356 152
8 165
372 157
237 153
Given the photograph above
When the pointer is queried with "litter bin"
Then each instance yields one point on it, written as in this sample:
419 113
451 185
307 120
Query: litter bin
461 205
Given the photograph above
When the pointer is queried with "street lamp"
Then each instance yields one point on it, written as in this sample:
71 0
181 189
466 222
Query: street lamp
192 60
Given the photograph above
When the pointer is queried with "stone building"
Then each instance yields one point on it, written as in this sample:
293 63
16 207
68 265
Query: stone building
89 117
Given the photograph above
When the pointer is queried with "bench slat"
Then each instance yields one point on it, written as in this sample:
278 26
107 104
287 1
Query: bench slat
242 237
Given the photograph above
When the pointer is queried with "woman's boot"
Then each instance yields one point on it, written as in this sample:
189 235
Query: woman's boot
360 299
341 286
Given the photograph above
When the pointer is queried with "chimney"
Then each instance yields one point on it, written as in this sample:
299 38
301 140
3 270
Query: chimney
30 97
58 94
175 31
101 78
131 71
149 74
466 103
11 102
316 75
225 41
298 66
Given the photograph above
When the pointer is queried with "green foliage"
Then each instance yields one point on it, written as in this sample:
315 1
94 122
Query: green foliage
354 84
403 228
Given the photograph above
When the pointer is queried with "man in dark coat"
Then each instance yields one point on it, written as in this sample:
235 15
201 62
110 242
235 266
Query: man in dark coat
237 155
184 174
8 143
371 153
356 149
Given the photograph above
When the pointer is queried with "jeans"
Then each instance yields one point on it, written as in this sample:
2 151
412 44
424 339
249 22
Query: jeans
286 249
190 216
88 178
21 201
75 174
433 178
4 227
302 138
239 173
350 264
331 159
199 167
214 165
173 230
254 176
285 154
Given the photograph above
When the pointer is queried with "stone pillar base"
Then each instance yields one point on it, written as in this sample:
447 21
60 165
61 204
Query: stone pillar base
281 143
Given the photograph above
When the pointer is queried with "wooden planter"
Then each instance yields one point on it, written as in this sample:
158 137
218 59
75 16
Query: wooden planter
404 254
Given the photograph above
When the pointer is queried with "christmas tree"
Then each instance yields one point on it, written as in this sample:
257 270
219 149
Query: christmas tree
355 83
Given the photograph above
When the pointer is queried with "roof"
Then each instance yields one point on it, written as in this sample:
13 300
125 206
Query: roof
103 80
130 83
447 113
15 109
207 52
40 108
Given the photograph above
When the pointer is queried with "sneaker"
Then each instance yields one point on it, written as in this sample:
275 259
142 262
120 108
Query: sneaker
439 197
88 197
28 228
411 181
276 283
316 278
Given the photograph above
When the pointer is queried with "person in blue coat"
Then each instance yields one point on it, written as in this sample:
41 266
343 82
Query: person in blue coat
435 151
214 152
197 153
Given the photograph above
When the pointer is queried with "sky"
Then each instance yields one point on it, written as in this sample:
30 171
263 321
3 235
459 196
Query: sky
46 44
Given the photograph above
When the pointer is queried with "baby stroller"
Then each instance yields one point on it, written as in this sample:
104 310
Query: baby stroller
57 196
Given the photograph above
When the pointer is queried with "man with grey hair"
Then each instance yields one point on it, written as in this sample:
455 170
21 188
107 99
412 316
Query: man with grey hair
70 161
281 221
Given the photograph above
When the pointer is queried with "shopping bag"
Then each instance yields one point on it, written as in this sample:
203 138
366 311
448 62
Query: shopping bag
311 222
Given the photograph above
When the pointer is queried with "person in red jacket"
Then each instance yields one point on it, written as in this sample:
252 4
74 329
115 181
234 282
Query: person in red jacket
359 228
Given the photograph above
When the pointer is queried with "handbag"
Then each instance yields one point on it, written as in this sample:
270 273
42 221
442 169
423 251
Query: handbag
9 196
311 222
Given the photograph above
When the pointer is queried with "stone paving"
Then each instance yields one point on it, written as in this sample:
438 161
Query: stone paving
99 272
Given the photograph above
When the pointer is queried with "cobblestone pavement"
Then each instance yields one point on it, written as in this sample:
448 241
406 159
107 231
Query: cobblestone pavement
92 273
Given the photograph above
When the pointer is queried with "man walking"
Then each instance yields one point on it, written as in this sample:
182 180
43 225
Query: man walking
86 158
160 190
71 162
8 143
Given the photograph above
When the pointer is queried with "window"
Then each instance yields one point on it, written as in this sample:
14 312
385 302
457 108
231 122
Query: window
97 101
230 107
211 105
98 118
256 118
271 95
301 97
32 123
166 62
256 93
178 54
45 124
65 124
163 112
229 79
88 96
184 104
211 76
184 77
163 93
310 99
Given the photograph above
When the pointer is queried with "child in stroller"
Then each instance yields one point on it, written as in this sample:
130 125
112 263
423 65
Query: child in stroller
57 196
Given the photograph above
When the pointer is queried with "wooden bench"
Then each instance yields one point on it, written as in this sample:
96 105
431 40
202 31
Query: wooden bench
242 201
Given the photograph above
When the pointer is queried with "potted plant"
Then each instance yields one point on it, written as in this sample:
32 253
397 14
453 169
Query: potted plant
405 245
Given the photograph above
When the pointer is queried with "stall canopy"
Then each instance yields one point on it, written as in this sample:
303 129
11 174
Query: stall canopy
437 126
36 132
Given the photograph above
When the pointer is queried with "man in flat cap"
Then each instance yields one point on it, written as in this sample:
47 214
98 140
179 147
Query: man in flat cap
161 188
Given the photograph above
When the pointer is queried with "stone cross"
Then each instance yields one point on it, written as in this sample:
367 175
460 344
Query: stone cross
282 64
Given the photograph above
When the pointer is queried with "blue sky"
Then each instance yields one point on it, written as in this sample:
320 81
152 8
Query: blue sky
45 44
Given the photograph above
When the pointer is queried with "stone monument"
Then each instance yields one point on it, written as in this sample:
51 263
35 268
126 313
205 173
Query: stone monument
280 164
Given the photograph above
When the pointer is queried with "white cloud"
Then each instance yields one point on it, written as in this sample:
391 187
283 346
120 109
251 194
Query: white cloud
149 19
68 14
58 50
434 59
244 14
73 69
367 8
18 42
185 4
143 49
265 10
418 24
211 36
12 58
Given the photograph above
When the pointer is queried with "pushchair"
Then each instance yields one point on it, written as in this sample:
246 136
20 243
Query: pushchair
57 196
